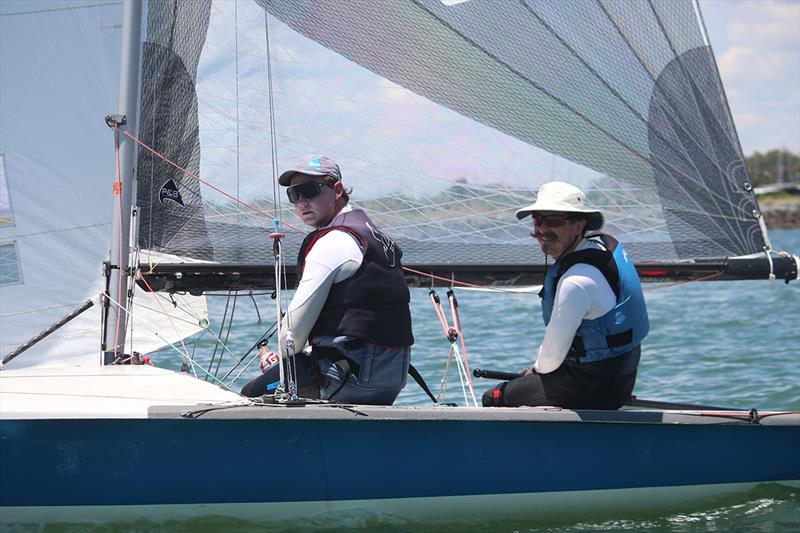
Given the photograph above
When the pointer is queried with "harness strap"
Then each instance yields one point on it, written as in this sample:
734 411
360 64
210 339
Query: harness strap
414 373
350 367
578 350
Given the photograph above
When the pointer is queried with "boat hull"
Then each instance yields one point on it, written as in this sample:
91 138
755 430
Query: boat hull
414 463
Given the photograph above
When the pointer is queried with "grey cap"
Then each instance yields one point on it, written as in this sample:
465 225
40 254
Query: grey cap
312 165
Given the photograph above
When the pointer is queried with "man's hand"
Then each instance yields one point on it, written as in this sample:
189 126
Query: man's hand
528 370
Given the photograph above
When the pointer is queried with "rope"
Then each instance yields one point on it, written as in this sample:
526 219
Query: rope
185 350
457 324
452 333
192 363
201 180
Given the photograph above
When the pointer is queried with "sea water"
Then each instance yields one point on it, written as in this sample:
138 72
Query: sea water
716 343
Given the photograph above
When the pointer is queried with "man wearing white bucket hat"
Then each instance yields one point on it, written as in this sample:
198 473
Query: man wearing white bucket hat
593 309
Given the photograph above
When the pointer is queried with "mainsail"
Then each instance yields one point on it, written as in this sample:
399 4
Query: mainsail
444 117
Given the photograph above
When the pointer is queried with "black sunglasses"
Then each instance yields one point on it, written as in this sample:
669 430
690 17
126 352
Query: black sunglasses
307 190
552 221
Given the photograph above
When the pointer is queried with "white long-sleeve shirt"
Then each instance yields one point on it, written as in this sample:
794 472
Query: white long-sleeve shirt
334 257
582 293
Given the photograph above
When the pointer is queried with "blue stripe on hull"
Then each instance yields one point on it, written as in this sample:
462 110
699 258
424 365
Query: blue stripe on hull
163 461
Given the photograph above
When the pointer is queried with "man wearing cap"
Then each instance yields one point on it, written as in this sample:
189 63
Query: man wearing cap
351 304
593 310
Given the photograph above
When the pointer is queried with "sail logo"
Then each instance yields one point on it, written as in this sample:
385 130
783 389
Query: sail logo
169 192
386 243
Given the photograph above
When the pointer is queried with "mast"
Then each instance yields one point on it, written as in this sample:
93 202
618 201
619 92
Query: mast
115 318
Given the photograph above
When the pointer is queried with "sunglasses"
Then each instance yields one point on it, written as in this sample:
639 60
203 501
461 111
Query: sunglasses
552 221
307 190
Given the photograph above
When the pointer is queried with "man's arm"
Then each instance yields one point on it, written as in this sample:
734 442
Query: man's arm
334 257
582 293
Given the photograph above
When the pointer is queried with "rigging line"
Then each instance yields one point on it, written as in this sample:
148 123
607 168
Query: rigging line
197 322
179 319
456 282
680 283
201 180
451 333
57 9
445 377
227 333
129 301
461 373
242 371
451 296
221 327
272 133
255 305
266 336
540 88
185 349
236 74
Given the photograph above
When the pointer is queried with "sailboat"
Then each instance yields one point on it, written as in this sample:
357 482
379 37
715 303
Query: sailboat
447 116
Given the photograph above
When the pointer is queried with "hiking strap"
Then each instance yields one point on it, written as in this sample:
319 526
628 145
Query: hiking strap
414 373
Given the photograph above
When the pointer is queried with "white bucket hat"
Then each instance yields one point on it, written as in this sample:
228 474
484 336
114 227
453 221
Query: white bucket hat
560 196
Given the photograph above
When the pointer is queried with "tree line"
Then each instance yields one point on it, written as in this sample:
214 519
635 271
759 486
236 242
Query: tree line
775 166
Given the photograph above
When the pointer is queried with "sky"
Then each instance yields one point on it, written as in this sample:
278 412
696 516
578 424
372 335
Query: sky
757 46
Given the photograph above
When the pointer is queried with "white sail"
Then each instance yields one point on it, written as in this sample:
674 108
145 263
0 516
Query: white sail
59 74
59 80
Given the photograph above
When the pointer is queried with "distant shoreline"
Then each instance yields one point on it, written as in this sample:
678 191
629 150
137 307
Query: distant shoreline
783 213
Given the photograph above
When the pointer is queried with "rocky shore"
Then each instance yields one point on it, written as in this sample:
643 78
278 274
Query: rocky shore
784 213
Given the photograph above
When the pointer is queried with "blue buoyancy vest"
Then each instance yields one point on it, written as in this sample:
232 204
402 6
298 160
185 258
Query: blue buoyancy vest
623 327
372 304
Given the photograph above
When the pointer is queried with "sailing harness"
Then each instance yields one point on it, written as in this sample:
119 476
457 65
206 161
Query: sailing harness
349 367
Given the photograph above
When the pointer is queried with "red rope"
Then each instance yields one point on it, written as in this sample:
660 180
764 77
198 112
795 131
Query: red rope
457 323
437 306
449 280
201 180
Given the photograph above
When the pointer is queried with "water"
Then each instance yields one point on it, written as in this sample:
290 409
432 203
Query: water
717 343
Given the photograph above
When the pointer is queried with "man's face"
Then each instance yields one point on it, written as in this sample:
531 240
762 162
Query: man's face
556 232
319 210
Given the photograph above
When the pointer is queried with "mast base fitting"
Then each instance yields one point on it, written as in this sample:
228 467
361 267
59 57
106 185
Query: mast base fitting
277 235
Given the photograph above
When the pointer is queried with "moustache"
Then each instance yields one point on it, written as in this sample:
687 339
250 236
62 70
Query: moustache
542 235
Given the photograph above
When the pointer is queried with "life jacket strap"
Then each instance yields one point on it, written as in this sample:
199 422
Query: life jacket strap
578 351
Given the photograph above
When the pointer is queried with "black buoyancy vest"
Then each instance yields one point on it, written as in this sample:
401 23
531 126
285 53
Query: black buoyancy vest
372 304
